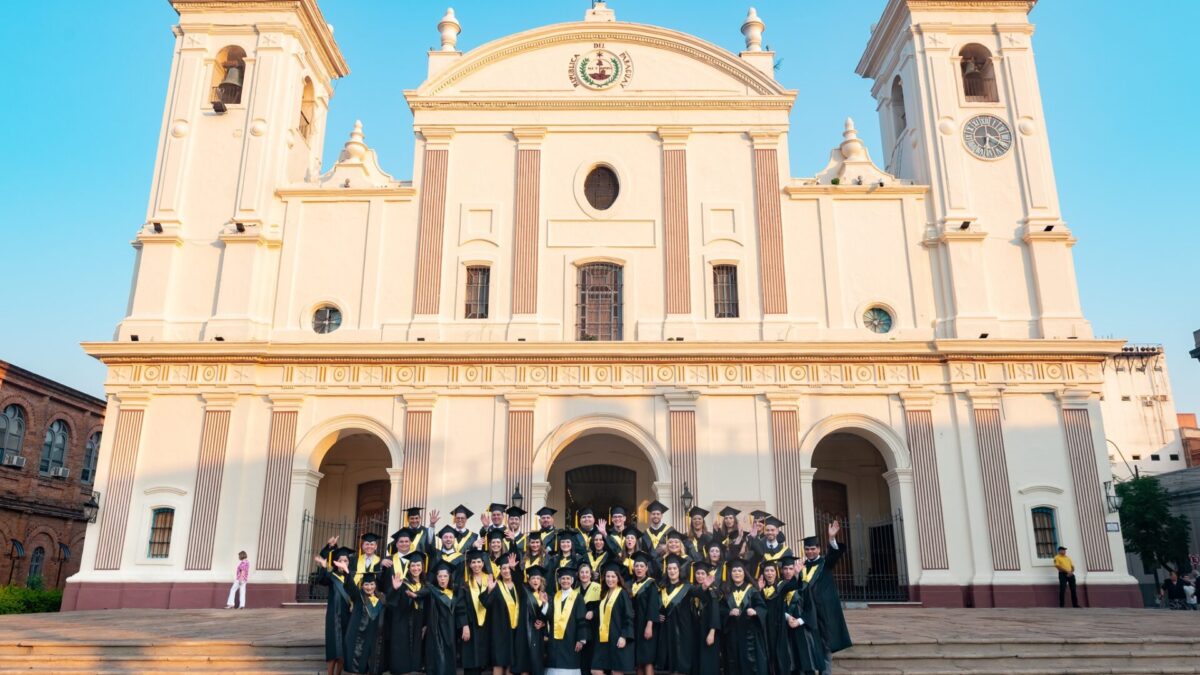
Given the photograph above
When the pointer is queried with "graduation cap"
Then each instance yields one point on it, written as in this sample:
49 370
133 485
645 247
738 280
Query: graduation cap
515 512
729 512
566 532
811 542
568 571
643 557
535 571
476 554
585 511
342 552
614 567
413 512
496 506
460 509
415 557
370 538
738 562
443 565
672 558
656 506
546 511
787 560
702 567
758 514
402 533
447 529
632 532
368 578
676 534
772 520
697 511
495 534
617 511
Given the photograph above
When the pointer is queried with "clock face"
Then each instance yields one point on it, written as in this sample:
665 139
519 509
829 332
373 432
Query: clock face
877 320
987 136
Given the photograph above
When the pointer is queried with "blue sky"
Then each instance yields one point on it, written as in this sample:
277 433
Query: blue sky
81 120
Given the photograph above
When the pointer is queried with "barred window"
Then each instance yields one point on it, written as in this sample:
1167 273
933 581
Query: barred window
599 308
12 431
36 561
91 454
160 533
478 289
725 291
327 319
1045 532
601 188
54 449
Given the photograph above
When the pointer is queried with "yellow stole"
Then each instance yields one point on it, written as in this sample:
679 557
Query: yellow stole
530 562
787 599
363 564
637 585
416 541
768 592
495 568
511 602
668 597
563 604
740 596
374 600
629 565
656 538
475 590
592 592
606 607
809 572
459 543
771 557
597 562
399 562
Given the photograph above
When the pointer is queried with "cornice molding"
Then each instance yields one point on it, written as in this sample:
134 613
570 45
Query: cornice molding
419 103
404 193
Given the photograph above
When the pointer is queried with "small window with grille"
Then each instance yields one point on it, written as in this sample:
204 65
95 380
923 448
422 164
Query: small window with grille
160 533
601 188
1045 532
725 291
327 319
478 283
599 307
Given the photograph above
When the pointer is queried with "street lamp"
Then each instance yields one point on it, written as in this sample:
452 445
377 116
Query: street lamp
687 497
1113 499
516 499
91 507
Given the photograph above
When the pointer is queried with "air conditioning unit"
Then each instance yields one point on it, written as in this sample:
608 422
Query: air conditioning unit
60 472
15 461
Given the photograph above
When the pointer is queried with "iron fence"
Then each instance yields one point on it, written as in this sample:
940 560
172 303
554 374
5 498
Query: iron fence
314 533
873 567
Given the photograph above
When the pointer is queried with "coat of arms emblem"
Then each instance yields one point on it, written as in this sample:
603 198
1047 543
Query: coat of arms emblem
601 69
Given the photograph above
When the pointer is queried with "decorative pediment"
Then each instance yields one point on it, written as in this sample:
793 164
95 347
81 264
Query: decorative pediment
357 166
850 163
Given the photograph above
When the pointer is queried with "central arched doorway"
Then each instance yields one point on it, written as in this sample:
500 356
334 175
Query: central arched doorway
849 485
600 470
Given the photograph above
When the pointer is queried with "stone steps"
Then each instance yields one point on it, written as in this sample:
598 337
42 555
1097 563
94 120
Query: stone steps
148 658
1029 656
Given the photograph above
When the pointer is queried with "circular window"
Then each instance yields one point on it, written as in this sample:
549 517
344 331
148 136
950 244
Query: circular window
327 319
877 320
601 188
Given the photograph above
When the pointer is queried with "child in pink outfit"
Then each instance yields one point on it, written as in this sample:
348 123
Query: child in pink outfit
239 582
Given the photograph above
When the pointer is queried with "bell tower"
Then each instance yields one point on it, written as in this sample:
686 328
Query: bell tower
961 111
245 114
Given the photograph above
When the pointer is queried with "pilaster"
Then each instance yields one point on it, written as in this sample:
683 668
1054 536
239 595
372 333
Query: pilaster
526 223
769 216
431 231
679 322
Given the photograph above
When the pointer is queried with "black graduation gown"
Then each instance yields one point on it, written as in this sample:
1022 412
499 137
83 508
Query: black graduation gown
591 598
830 620
444 619
337 615
406 619
676 633
804 642
557 560
607 655
560 653
517 649
371 566
476 652
365 632
763 554
646 605
708 617
652 539
745 636
780 657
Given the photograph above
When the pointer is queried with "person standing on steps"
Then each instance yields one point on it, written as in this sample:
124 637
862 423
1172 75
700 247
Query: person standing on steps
240 579
1066 577
818 575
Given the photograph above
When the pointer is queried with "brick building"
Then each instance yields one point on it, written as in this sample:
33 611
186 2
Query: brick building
1189 433
49 442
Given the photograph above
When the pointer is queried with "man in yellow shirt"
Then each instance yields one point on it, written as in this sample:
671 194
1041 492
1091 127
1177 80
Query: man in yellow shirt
1066 577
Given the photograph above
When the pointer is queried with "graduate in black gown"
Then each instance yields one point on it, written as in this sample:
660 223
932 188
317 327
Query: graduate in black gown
818 575
534 552
566 627
474 645
735 541
538 599
365 632
677 546
363 561
615 528
745 644
801 631
337 609
707 606
715 559
445 616
566 555
510 623
406 618
769 548
599 553
614 626
697 535
773 590
654 537
676 624
643 592
633 539
590 589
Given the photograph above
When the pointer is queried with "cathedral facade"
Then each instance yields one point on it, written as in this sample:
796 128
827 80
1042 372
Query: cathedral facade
602 287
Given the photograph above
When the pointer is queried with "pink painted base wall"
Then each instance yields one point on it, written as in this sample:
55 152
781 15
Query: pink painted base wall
1039 595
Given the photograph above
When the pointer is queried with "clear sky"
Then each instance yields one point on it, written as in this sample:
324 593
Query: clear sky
80 125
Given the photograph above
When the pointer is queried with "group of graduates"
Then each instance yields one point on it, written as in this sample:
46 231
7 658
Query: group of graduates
600 597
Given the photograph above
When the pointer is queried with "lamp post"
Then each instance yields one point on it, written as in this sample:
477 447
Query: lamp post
1111 498
91 508
517 499
686 498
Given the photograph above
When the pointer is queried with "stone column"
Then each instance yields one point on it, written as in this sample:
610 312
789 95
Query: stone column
930 525
676 232
418 429
519 463
114 511
276 500
210 470
396 507
769 215
786 458
808 525
681 417
997 495
1085 479
526 224
431 229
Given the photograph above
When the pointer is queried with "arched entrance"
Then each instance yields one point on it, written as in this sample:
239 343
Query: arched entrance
850 485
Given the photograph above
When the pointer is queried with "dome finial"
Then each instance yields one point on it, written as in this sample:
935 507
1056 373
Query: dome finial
752 29
852 148
449 27
355 148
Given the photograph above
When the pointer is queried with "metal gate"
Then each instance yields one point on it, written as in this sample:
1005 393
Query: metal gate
315 533
873 568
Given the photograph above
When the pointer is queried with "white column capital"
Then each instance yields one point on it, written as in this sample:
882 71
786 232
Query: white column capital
917 400
306 477
437 138
286 403
681 400
1075 399
780 400
765 139
521 401
529 138
218 400
898 477
419 402
674 138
